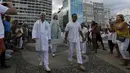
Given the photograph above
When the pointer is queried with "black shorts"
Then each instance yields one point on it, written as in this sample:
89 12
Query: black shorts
99 38
128 48
110 43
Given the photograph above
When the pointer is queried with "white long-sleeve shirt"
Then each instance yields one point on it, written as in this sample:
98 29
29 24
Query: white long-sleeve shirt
41 28
41 31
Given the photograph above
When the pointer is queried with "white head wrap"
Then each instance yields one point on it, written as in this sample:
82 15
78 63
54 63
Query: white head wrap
54 15
43 13
54 21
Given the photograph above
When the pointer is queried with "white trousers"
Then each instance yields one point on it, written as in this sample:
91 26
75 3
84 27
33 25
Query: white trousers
83 47
123 46
21 42
43 56
53 49
73 45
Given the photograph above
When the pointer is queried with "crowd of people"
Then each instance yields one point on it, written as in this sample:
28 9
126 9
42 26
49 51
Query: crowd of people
5 8
77 36
118 36
12 34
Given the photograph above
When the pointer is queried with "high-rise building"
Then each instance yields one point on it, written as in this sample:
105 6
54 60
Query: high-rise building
76 6
29 10
70 7
73 6
107 15
98 13
88 12
60 18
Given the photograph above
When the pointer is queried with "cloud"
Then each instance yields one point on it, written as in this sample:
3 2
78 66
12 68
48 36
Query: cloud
56 4
116 5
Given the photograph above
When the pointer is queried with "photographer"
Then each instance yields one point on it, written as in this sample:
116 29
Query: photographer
5 8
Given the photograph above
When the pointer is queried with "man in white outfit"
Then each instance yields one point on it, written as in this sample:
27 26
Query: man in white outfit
73 29
83 45
42 35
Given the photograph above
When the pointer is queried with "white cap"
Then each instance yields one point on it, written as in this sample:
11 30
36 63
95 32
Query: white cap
43 13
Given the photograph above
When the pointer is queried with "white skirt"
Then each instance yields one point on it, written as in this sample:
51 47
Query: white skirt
123 46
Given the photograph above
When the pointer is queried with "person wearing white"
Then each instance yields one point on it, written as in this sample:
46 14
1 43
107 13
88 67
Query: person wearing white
42 35
54 32
73 29
19 32
110 43
83 45
89 35
114 37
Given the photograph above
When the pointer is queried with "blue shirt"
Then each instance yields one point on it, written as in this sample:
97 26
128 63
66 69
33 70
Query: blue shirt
6 26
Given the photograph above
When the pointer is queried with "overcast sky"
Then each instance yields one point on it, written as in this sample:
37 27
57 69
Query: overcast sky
117 5
56 4
114 5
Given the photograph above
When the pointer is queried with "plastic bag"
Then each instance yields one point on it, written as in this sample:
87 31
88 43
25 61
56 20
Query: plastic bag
114 36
